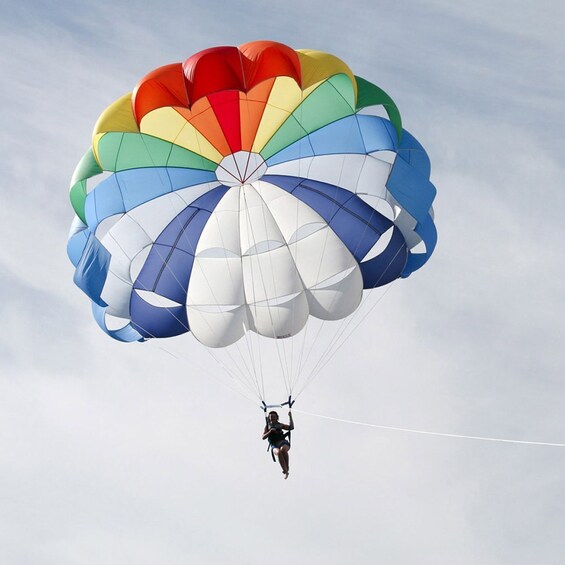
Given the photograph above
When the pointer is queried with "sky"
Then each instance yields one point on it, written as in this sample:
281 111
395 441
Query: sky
113 453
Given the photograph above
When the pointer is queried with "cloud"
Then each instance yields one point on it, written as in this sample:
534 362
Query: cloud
114 453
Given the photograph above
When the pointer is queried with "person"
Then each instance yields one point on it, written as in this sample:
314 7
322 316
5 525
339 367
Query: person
275 432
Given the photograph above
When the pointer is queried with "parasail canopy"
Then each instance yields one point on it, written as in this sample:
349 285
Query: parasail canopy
248 189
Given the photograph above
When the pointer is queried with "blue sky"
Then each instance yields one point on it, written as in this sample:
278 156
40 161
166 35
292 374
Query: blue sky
116 454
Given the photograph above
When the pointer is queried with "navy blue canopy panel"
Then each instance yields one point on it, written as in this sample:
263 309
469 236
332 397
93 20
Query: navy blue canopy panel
166 272
358 225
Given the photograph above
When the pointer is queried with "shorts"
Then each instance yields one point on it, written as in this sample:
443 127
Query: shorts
279 444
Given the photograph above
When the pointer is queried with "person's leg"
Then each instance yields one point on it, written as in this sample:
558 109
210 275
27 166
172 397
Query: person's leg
283 458
277 453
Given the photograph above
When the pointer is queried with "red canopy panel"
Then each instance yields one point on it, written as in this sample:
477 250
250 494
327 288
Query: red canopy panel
214 70
162 87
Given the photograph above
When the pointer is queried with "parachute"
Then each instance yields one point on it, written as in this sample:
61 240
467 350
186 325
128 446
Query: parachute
246 192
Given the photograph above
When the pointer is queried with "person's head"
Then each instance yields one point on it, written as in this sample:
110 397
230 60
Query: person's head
273 417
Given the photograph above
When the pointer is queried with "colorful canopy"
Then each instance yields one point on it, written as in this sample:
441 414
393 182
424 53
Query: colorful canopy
247 188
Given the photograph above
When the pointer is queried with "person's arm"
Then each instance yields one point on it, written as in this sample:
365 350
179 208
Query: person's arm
266 432
286 426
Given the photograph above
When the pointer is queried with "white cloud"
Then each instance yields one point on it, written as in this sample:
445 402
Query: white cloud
117 453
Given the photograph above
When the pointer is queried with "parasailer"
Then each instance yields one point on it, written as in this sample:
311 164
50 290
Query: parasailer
239 196
277 433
